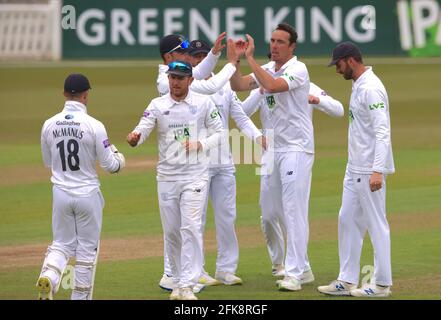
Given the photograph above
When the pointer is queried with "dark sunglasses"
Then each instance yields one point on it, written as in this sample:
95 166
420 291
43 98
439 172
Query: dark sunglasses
183 45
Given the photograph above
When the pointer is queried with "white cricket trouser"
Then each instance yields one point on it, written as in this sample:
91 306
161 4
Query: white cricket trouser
363 210
76 227
181 204
222 191
284 201
167 267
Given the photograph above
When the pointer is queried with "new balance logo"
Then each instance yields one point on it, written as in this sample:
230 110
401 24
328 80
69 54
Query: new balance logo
369 291
339 287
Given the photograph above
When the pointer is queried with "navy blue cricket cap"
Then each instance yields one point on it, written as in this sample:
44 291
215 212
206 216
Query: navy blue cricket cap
344 50
173 43
180 68
199 46
76 83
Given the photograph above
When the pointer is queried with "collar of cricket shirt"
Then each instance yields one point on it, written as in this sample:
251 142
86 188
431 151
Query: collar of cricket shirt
188 99
272 65
363 77
163 68
71 105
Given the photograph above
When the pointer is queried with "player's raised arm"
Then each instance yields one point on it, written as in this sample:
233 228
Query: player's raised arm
204 69
263 78
216 82
239 82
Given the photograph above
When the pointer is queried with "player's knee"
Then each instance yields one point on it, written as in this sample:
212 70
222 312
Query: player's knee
83 273
344 221
67 249
172 235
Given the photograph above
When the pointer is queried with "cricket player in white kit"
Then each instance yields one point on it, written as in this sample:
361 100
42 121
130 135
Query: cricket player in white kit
176 47
288 163
222 179
273 229
209 85
188 126
71 143
364 188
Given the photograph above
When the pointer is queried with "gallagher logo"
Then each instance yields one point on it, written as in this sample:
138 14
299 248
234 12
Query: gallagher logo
69 116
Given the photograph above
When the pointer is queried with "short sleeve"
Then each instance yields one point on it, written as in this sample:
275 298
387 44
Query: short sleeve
295 76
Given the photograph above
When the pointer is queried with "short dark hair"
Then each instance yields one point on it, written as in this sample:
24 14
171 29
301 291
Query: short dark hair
74 96
288 28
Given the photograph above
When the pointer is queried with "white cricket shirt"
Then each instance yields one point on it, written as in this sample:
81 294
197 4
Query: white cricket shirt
369 136
288 113
227 103
195 118
327 104
71 143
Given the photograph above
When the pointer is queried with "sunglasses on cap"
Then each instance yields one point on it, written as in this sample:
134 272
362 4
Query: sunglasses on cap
180 68
183 45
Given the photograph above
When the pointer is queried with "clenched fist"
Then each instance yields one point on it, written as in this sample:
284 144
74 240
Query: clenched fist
133 138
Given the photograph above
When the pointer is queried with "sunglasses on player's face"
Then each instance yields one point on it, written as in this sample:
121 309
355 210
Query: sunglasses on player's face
183 45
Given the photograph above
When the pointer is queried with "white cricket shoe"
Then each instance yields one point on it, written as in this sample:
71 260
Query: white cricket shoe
337 288
44 287
290 284
278 270
175 294
228 278
187 294
166 282
371 291
208 280
307 277
198 287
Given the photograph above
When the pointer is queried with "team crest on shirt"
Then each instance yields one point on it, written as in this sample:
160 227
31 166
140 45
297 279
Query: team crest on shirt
193 109
146 114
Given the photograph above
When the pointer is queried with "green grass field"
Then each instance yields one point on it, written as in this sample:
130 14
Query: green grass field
131 255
